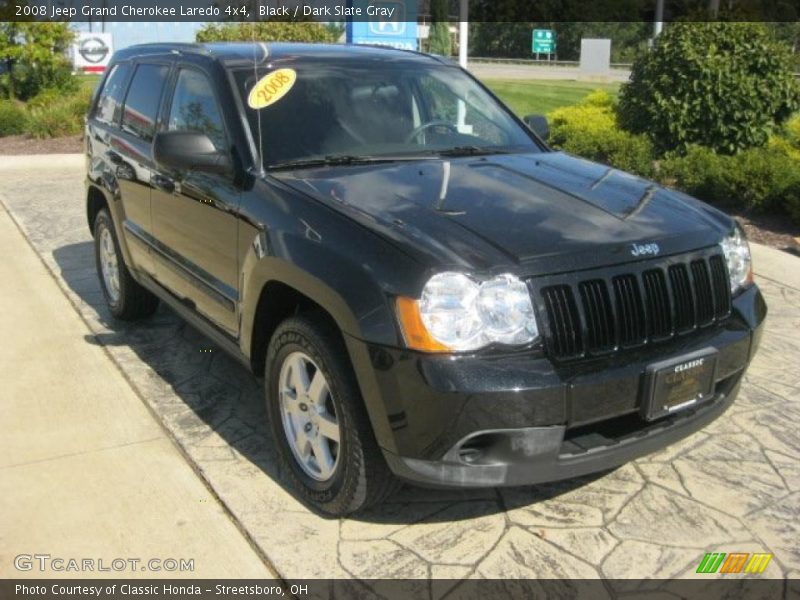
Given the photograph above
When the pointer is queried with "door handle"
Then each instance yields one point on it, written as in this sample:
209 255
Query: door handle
114 157
163 183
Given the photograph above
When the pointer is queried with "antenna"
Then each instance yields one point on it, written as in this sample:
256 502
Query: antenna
263 47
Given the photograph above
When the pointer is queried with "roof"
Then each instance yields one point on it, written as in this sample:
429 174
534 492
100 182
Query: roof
243 53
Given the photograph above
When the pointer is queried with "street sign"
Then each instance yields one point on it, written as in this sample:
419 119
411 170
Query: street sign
543 41
400 31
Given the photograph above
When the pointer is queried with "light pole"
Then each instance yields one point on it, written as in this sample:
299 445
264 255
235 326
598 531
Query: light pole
658 25
463 32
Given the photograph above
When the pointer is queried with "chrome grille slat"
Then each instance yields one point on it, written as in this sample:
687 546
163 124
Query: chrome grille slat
590 315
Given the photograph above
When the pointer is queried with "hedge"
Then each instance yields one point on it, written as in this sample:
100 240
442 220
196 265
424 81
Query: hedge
590 129
758 179
50 113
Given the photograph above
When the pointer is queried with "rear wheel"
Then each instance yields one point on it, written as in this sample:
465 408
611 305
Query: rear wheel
319 422
126 299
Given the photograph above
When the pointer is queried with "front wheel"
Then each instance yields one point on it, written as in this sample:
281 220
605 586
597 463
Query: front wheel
319 422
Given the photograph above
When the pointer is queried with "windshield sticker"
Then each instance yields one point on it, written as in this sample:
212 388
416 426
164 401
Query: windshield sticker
271 88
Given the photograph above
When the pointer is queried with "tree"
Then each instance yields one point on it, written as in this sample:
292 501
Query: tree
34 58
267 31
439 36
513 40
726 86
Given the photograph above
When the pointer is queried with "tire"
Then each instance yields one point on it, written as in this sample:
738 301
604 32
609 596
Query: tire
125 298
360 477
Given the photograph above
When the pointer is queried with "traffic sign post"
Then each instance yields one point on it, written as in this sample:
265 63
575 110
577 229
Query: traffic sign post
543 41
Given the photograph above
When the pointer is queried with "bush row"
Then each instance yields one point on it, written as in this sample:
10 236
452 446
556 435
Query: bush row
50 113
762 178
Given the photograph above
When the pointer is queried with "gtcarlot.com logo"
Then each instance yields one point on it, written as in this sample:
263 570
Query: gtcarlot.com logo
57 564
734 562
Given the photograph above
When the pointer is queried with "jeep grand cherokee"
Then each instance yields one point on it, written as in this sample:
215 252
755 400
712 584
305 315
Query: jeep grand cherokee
430 293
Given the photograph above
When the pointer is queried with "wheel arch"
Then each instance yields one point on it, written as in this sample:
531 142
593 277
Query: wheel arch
278 301
95 202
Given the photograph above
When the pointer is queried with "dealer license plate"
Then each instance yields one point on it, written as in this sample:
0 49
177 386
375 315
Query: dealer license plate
679 383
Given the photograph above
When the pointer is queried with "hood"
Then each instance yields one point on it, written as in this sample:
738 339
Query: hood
543 212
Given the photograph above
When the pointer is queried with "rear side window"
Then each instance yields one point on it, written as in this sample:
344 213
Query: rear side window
195 108
143 100
110 100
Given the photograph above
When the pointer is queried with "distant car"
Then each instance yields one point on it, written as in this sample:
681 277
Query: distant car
430 292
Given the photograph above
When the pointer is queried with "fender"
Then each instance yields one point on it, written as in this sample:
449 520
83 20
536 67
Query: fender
357 304
117 217
359 307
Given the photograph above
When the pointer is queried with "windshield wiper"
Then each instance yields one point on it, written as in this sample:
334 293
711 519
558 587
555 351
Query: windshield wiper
468 151
335 160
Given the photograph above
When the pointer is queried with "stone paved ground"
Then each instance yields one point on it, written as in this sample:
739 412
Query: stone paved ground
733 487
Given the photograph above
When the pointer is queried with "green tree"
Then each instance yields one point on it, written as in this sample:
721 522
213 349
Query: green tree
267 31
726 86
513 40
439 36
34 57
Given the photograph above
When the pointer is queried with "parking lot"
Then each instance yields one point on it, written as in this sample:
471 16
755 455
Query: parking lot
734 487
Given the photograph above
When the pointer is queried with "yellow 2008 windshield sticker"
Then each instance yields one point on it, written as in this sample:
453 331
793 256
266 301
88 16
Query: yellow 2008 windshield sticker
271 88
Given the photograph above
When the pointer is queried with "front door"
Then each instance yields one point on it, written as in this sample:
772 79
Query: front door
194 213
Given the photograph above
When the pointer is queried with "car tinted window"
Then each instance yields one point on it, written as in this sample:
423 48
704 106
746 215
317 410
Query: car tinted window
194 108
144 97
397 109
110 99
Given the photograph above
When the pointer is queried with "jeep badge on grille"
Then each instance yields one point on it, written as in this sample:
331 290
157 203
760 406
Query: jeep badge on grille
644 249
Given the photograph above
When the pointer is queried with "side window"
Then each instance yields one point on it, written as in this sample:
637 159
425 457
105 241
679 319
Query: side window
194 108
144 97
110 99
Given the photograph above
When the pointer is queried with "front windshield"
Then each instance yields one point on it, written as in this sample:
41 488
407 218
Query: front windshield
396 110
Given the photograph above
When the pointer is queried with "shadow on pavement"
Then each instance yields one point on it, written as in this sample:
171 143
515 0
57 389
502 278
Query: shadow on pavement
229 398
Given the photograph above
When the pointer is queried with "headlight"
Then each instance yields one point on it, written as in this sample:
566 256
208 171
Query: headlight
456 313
737 255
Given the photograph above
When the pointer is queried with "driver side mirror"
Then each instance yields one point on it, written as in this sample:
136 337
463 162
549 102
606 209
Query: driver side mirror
189 150
538 124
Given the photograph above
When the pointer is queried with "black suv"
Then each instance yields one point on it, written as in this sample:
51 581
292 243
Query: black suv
430 293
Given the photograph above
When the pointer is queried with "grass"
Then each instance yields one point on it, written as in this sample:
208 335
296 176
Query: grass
89 80
542 96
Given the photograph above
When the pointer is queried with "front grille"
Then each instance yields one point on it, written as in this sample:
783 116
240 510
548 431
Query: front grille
592 315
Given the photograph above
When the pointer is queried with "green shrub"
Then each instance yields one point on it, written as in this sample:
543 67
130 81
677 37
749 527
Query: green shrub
727 86
52 114
755 179
12 118
792 131
590 129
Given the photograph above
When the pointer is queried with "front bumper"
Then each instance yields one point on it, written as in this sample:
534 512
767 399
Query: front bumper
474 421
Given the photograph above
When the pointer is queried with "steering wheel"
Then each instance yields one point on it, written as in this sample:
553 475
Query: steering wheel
425 126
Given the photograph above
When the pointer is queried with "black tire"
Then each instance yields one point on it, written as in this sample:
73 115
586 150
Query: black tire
361 477
134 301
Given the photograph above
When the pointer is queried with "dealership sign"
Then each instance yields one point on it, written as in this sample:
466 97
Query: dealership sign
394 24
92 52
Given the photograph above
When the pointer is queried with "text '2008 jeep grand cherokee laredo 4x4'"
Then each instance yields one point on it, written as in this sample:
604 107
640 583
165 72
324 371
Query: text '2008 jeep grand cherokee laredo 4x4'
429 291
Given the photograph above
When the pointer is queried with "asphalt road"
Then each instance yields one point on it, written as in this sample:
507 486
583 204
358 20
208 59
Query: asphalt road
734 487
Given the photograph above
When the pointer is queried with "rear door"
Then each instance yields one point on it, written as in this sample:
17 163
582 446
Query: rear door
195 213
130 149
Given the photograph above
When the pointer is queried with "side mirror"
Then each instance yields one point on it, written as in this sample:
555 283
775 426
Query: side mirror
538 124
188 150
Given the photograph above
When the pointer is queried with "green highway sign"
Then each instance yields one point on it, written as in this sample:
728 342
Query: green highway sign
543 41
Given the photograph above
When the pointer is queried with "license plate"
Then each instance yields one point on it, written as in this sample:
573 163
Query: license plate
679 383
